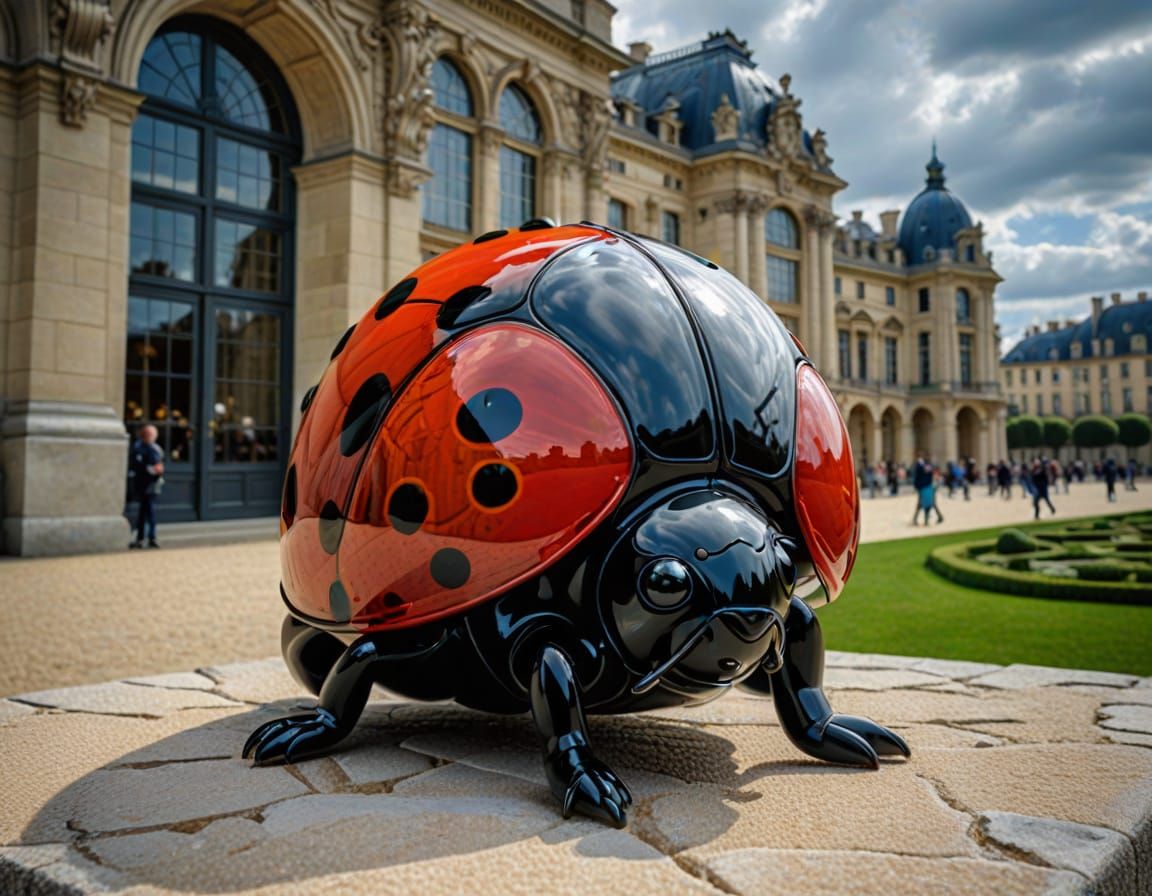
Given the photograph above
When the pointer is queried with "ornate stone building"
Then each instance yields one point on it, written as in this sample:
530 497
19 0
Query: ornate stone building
200 197
1099 365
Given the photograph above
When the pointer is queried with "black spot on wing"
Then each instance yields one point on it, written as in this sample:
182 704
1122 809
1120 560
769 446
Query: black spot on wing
489 416
407 508
368 402
395 297
343 342
331 527
450 568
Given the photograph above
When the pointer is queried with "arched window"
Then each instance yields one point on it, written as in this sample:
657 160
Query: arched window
963 306
782 261
209 334
447 196
518 157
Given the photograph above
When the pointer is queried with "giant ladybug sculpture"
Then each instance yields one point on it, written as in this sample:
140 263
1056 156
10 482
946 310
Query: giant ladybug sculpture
567 470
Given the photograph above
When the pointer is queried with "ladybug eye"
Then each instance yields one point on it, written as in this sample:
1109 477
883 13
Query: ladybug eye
665 584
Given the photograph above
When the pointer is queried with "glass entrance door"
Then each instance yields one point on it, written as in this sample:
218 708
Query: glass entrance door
246 433
209 324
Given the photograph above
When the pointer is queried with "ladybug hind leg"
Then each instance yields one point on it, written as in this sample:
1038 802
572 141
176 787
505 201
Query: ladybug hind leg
343 697
805 714
580 781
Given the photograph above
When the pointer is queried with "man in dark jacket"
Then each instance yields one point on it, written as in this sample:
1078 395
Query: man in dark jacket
146 464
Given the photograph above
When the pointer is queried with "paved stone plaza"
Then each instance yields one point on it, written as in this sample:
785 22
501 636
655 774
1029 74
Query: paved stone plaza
1022 780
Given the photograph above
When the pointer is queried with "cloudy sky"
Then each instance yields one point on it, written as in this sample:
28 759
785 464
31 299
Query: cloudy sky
1042 110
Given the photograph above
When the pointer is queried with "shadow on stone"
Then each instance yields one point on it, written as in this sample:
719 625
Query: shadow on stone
413 783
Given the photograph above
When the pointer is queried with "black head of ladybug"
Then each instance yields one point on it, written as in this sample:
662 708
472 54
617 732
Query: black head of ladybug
698 590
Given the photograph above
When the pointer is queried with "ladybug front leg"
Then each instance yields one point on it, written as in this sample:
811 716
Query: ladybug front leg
803 708
342 700
578 779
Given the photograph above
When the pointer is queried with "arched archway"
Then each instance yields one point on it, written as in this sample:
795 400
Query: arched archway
861 429
924 432
211 282
891 424
968 425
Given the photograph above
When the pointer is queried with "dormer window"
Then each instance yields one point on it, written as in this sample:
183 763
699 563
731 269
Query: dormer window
929 253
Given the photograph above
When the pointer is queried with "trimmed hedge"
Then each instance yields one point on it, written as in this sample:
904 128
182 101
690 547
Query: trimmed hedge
1013 541
954 562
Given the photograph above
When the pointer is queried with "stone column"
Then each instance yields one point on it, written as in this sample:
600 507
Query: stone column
355 241
488 175
814 311
948 432
552 194
62 444
827 299
595 199
740 211
757 265
652 218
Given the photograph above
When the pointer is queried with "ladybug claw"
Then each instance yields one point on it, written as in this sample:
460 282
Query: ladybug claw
592 793
883 741
842 746
293 738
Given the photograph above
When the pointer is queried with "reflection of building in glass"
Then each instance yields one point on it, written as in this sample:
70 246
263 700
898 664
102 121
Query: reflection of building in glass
206 286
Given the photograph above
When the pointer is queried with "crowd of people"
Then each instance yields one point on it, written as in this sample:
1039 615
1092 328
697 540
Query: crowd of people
1038 479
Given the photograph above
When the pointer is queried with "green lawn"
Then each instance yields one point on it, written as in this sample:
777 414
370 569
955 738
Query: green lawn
894 604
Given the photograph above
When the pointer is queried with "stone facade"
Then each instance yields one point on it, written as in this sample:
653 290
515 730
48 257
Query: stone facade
358 73
1099 365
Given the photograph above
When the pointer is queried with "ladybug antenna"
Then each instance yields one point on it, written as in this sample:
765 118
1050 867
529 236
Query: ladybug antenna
775 629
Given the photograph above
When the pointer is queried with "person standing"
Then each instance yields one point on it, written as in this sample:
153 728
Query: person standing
146 464
1110 477
1040 488
1130 475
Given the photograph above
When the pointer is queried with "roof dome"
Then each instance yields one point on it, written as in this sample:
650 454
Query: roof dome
700 77
932 218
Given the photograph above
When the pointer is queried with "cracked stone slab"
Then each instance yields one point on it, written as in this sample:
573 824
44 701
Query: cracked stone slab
839 659
1127 737
1025 676
51 868
120 699
1133 719
186 681
10 711
957 670
1100 854
262 681
376 763
126 798
777 872
843 678
797 807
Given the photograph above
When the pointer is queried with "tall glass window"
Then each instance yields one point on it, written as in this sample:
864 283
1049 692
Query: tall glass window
963 306
862 356
966 359
891 370
447 196
617 214
783 256
843 338
889 295
924 354
924 297
518 157
211 238
670 225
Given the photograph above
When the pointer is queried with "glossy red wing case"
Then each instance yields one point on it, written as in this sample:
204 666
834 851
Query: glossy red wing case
824 482
497 458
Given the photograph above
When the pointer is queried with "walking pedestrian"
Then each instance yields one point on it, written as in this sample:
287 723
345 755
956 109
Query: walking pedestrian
1040 488
1110 473
146 467
1130 475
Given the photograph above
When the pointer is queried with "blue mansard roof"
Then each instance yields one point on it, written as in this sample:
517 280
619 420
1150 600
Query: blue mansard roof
697 77
1116 322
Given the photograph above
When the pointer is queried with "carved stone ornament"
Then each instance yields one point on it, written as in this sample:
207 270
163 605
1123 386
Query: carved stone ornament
77 97
78 27
404 178
726 120
820 219
408 113
820 149
784 125
735 203
595 119
360 37
784 183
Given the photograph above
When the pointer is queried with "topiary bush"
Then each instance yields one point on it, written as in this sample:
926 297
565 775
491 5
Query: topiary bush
1093 431
1014 541
1133 430
1057 432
